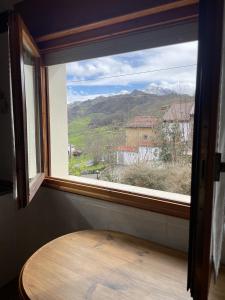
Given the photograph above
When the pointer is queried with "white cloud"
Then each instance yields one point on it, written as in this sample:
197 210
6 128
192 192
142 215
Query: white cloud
80 97
179 88
184 54
103 66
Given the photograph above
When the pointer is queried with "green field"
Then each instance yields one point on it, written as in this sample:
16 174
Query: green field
78 129
80 136
77 165
80 132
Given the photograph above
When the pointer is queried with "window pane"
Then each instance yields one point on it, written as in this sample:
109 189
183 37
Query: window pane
129 117
33 115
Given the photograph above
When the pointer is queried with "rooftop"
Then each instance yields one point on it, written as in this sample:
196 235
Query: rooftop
179 112
149 144
127 149
142 122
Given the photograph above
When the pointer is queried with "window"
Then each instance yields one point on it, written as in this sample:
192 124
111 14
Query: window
27 111
125 121
114 148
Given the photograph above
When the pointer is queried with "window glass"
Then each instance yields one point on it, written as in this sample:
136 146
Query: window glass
32 108
126 118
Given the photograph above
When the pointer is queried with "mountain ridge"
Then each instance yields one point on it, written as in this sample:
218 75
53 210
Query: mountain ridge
120 108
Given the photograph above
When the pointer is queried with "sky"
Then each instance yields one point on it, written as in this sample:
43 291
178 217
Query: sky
169 67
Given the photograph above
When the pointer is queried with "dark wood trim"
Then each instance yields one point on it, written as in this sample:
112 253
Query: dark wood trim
112 21
19 110
205 134
28 41
89 37
35 185
20 37
158 205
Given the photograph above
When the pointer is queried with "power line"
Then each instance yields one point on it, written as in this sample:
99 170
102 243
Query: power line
143 72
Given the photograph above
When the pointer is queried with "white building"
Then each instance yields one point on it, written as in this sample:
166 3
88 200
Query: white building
181 114
130 155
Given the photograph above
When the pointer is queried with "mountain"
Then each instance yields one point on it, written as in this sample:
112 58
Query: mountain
159 91
119 108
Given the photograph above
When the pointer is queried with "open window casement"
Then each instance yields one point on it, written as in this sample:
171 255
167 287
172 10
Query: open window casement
207 196
27 101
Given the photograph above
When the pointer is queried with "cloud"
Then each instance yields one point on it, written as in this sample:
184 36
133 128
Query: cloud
81 97
97 67
180 88
107 71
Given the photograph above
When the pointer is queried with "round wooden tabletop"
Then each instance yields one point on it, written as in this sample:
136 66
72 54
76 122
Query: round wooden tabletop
103 265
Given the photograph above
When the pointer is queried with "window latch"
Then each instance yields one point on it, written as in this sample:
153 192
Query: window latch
219 167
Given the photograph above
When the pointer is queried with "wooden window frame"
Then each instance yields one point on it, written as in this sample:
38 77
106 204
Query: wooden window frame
18 38
155 204
151 203
157 16
118 26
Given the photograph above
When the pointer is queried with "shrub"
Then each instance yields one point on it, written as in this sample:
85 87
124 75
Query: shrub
170 178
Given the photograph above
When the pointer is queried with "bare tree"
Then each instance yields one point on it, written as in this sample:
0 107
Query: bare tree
102 146
94 147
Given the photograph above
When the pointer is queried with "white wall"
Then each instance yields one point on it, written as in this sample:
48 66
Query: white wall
53 213
58 120
75 212
98 214
23 231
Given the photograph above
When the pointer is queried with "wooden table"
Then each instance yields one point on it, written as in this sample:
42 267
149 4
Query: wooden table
104 265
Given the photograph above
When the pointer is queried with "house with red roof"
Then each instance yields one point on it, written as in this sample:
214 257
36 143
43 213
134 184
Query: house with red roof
141 130
141 141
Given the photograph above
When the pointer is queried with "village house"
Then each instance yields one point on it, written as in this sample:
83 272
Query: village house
141 142
141 134
182 114
141 130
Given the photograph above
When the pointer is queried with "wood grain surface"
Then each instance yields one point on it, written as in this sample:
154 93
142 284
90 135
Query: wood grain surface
100 265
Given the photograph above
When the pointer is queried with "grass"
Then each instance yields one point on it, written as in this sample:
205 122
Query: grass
79 131
77 165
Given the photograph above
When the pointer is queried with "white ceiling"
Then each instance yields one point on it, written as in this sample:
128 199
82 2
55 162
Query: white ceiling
7 4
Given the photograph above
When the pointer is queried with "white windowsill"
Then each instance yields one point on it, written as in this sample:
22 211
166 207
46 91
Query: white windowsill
133 189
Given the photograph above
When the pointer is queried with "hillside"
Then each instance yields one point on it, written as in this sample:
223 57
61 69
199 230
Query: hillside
104 111
97 127
103 115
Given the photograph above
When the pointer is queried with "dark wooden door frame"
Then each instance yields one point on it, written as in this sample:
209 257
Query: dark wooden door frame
19 111
203 164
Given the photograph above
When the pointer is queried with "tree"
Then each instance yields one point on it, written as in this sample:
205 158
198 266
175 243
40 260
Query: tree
94 147
102 146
